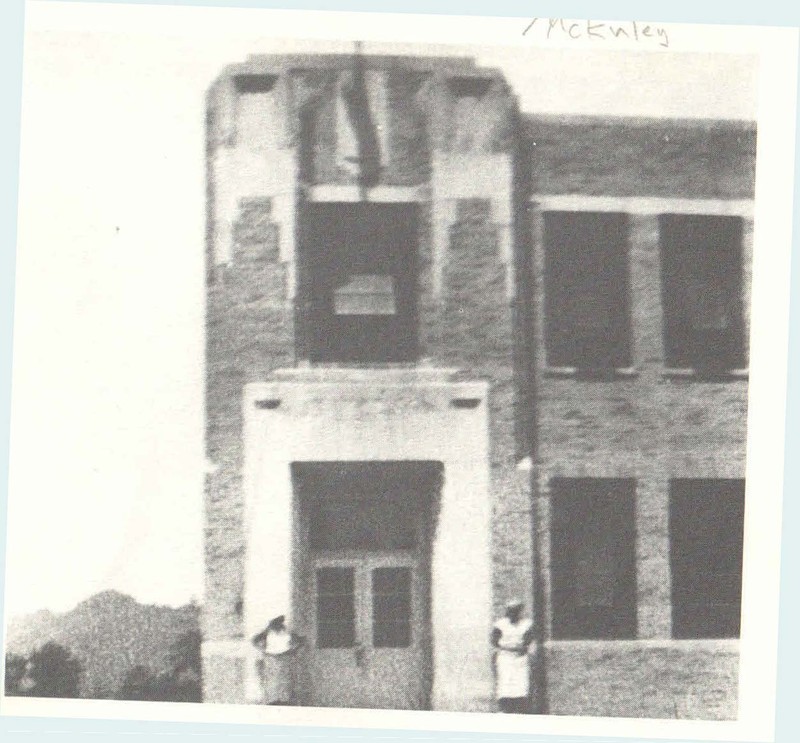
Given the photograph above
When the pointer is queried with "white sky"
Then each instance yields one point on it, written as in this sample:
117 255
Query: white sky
107 422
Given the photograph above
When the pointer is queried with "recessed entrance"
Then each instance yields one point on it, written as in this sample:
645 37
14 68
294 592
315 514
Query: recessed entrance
364 588
368 471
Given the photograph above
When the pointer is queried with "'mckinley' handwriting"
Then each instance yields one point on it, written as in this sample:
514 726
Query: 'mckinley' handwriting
599 30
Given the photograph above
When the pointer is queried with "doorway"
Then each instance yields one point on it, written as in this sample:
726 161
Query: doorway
364 588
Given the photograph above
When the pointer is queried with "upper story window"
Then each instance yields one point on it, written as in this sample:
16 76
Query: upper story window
701 269
362 282
587 290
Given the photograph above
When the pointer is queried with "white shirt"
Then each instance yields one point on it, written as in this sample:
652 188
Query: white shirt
513 669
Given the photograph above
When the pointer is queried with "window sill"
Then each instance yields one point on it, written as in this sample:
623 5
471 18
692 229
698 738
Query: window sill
731 643
359 365
730 375
573 372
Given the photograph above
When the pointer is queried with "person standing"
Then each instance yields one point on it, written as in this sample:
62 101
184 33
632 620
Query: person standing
277 664
511 637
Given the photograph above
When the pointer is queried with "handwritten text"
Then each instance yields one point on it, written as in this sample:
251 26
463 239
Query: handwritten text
563 28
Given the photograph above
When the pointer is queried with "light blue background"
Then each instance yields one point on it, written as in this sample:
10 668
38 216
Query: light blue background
762 12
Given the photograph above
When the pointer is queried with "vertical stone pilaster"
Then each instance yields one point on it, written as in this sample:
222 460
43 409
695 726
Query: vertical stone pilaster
538 289
544 612
647 317
269 528
747 281
443 217
653 588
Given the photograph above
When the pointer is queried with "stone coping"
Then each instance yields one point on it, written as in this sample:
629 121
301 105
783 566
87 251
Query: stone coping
366 375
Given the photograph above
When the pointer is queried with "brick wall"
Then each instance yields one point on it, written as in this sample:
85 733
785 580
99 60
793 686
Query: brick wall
474 331
645 424
249 330
642 157
670 680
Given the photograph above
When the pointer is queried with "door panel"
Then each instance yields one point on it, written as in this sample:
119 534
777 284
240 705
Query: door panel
391 607
335 655
336 607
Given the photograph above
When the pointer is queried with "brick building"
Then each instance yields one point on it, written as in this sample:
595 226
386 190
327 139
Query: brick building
457 352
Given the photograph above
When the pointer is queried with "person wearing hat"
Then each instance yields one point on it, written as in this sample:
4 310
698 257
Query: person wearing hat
511 637
276 666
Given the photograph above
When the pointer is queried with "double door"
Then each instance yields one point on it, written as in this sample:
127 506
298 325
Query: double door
368 631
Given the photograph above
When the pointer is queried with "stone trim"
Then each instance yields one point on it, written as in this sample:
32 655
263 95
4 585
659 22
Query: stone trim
719 644
377 194
644 205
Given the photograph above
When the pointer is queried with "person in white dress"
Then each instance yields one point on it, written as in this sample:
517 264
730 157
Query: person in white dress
511 637
277 665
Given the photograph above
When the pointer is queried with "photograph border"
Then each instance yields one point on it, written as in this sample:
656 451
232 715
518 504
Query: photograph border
774 128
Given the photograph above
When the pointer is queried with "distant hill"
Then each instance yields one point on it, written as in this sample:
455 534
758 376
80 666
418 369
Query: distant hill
110 633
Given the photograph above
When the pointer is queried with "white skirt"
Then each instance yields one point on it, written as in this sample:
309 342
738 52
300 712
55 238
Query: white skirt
277 678
513 675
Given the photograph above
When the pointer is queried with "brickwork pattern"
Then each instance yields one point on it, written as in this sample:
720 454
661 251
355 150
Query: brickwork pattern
682 680
629 157
249 330
476 334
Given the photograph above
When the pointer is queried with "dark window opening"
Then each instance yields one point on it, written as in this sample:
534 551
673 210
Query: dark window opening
701 265
593 563
587 302
706 523
364 517
336 616
253 84
366 505
391 607
469 87
362 285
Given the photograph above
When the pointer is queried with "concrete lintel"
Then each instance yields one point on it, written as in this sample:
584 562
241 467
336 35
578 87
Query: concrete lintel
417 374
331 192
643 205
358 400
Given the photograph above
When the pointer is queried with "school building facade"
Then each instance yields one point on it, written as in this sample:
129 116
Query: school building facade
457 353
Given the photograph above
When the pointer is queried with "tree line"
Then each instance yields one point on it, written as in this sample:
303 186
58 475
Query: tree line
54 671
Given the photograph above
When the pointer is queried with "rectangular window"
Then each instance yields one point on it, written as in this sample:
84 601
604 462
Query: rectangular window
361 285
587 304
701 268
391 607
336 616
366 294
592 556
706 523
